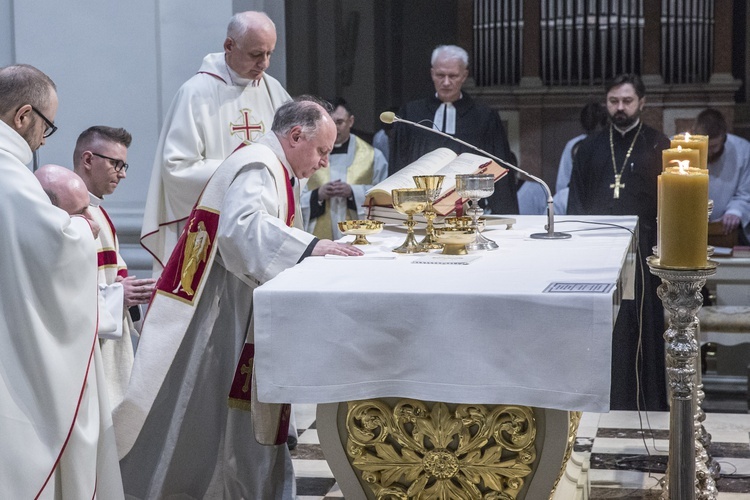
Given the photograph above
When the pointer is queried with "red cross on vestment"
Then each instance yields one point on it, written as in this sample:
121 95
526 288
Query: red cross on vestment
244 126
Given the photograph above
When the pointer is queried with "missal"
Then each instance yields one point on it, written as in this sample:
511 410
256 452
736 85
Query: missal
441 161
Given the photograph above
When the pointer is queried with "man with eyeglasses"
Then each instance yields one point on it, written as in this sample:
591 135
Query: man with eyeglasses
230 101
452 111
99 158
54 411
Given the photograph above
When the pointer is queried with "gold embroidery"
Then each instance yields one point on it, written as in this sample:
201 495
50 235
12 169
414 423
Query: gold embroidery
196 251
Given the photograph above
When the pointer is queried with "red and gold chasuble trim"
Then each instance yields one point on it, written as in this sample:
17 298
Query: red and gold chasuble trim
183 276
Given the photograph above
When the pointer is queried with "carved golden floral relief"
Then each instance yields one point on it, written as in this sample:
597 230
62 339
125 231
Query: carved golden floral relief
413 451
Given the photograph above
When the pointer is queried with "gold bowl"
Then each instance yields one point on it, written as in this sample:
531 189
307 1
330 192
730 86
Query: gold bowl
464 222
360 229
455 239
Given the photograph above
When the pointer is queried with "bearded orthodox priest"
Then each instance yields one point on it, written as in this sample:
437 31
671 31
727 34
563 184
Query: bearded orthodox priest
615 173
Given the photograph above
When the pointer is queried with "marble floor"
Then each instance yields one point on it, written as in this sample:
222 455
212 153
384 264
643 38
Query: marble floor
627 452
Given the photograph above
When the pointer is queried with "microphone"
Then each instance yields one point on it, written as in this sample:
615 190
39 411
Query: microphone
390 117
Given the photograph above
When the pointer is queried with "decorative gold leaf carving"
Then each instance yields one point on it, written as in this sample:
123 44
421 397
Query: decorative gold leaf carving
413 451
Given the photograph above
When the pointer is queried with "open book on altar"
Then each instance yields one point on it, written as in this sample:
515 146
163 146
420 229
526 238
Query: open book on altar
441 161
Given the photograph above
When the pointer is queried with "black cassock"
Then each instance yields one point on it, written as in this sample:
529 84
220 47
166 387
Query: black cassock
476 124
592 193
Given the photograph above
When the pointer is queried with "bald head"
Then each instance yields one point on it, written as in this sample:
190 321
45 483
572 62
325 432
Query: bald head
64 187
251 39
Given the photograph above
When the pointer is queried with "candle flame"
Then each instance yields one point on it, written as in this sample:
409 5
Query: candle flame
679 148
683 165
687 136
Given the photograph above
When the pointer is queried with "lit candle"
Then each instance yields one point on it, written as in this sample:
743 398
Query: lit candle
699 142
683 225
671 157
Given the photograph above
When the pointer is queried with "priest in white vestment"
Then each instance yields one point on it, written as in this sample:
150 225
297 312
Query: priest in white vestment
190 426
229 102
337 193
55 423
100 159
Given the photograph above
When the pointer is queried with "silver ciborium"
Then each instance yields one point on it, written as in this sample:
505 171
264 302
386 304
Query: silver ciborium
409 201
431 184
475 187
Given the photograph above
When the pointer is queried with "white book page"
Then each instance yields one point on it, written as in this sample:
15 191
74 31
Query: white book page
466 163
427 164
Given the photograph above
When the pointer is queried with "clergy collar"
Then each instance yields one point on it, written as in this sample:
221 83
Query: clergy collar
272 142
236 79
342 148
94 200
12 142
623 132
460 96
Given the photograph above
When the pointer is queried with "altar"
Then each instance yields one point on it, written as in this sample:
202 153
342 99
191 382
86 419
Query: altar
507 339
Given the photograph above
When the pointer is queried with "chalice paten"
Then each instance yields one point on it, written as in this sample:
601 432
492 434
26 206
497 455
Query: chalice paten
360 229
475 187
431 184
409 201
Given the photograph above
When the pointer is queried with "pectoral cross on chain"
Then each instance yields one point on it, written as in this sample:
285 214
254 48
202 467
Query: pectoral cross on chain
247 370
616 186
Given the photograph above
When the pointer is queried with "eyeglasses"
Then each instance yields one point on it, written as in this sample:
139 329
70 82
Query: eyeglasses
117 164
51 128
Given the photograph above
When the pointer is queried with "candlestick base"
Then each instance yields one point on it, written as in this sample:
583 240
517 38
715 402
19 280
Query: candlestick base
688 474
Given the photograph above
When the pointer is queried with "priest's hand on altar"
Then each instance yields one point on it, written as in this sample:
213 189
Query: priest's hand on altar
136 291
328 247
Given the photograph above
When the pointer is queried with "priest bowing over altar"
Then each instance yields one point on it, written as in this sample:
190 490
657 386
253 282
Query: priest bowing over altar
191 424
615 173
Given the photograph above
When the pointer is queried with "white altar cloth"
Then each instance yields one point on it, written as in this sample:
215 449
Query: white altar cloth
330 330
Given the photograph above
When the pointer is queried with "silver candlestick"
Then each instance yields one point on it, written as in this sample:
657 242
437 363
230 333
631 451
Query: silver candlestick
688 475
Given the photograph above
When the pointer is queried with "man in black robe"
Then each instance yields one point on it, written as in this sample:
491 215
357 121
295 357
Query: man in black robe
456 114
615 173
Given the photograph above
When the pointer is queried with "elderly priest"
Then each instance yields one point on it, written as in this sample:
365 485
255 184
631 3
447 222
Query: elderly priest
190 426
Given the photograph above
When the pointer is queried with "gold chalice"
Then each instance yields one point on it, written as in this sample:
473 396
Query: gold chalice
409 201
455 239
360 229
475 187
431 184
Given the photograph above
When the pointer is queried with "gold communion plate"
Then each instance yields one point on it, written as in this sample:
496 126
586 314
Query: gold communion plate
360 228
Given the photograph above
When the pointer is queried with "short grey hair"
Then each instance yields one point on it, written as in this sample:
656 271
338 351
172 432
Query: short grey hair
450 52
22 84
304 111
242 22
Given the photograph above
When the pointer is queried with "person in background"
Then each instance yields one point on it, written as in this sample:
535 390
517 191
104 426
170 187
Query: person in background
615 173
229 102
728 174
337 193
100 159
455 113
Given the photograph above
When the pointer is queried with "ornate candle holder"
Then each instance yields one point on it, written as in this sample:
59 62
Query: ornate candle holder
360 229
475 187
688 474
431 184
409 202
